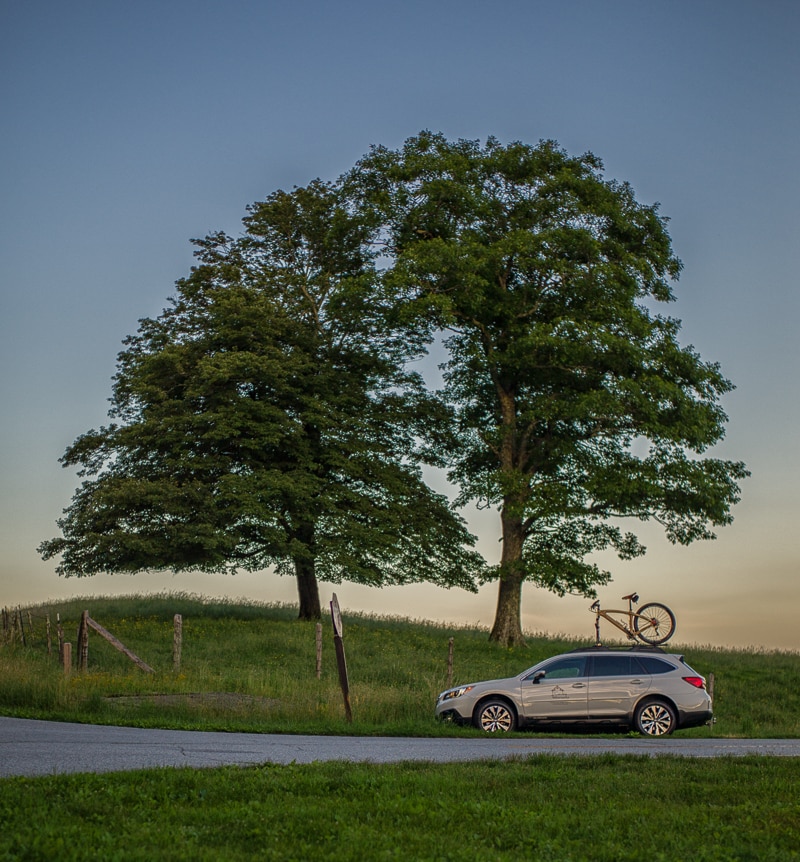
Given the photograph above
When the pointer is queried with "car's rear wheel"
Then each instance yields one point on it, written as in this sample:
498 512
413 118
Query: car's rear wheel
495 716
655 718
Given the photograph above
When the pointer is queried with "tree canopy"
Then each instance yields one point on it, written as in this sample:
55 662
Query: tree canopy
575 406
266 418
269 416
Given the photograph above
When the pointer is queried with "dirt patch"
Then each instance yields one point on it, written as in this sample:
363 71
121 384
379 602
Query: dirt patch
215 699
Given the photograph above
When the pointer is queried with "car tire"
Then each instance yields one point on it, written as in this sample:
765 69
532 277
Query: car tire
493 716
655 718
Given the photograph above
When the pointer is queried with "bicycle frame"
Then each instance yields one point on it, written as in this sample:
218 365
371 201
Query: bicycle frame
605 615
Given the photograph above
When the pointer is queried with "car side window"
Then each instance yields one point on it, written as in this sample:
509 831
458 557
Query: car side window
654 665
564 668
614 665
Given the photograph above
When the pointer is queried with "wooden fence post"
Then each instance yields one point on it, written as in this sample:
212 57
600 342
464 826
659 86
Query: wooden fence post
450 663
319 650
49 636
341 662
66 658
60 635
177 642
83 642
21 626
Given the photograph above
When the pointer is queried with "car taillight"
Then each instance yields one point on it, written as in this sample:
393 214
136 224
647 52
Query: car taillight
696 681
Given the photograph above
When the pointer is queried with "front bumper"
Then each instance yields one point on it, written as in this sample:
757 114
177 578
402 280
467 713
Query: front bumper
452 715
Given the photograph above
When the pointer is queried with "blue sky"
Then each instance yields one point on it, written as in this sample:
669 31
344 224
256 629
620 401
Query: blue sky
130 128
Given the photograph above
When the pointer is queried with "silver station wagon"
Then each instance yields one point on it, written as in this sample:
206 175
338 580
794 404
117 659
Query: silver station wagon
640 687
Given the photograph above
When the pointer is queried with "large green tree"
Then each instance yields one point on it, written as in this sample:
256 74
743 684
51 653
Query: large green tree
576 406
265 419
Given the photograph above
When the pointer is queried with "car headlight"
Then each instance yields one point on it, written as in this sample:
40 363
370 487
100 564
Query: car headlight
455 692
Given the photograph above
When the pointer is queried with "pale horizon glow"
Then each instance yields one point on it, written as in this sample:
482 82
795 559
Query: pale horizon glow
129 129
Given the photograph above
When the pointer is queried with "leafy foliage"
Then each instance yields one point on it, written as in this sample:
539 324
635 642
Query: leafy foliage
268 416
266 419
575 404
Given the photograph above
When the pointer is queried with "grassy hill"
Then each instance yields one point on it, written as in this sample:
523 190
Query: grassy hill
254 667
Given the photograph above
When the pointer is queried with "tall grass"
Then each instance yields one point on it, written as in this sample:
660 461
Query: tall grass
264 661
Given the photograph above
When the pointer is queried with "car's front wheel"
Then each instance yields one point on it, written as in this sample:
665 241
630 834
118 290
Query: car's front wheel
495 716
655 718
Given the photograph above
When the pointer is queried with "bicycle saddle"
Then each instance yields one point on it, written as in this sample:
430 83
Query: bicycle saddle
633 597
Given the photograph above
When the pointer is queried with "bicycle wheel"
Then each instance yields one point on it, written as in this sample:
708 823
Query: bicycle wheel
654 623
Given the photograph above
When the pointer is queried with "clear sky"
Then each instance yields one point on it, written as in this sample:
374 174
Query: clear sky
128 128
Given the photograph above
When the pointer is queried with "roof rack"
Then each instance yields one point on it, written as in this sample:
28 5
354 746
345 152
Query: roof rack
633 648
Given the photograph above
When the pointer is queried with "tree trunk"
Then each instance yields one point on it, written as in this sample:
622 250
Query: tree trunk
507 628
307 590
307 587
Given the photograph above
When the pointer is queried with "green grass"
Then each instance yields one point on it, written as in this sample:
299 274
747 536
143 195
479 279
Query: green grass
267 658
549 808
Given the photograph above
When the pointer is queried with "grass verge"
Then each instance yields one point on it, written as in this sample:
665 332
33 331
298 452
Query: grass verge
555 808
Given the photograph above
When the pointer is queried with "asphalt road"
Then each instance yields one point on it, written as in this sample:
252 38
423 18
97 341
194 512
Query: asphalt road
30 747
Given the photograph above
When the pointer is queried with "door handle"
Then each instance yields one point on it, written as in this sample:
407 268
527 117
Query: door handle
578 685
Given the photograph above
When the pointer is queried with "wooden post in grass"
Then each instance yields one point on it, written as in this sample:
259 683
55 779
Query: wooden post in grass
83 642
66 658
450 663
177 642
60 635
49 636
336 617
711 687
319 650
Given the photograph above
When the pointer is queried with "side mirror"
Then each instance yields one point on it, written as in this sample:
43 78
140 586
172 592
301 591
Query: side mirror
537 676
